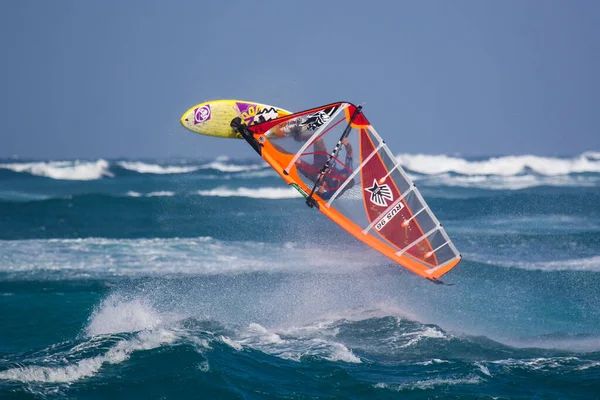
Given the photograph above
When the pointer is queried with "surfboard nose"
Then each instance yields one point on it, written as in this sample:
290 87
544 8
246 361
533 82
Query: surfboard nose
186 118
182 120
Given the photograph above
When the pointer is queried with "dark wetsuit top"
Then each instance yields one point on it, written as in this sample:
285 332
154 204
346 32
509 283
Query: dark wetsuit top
335 183
319 160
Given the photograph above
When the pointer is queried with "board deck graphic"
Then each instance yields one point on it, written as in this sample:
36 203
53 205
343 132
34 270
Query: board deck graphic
213 118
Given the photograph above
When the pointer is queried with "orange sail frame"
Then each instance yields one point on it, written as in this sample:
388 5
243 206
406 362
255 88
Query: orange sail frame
394 228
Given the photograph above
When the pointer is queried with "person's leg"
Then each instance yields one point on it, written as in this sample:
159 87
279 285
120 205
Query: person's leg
308 170
320 157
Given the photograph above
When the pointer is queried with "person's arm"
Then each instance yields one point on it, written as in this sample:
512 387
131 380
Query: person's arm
348 146
323 193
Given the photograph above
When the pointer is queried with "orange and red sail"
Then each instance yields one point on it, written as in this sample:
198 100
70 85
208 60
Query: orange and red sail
373 199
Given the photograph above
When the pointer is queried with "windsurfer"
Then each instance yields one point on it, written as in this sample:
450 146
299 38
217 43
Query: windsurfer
335 176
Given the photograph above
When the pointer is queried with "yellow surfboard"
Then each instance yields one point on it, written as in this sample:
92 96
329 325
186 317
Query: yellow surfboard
212 118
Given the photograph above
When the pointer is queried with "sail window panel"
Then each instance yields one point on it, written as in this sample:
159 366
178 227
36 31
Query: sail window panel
394 172
420 218
423 248
314 133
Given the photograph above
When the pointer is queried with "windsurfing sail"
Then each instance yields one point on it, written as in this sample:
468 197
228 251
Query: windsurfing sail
335 158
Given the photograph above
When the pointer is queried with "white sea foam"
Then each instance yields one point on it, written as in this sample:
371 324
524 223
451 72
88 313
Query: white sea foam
508 182
541 363
204 366
415 337
485 370
231 343
219 165
144 168
407 338
339 352
433 361
121 351
293 348
430 383
593 364
257 174
133 257
257 193
592 155
163 193
63 170
113 315
13 195
116 314
590 264
502 166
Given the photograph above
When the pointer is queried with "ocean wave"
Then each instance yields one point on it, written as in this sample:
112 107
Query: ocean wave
18 196
164 193
584 343
144 168
168 323
517 182
219 165
428 384
76 258
22 197
540 224
114 315
63 170
502 166
87 367
257 193
588 264
267 173
592 155
92 170
541 363
260 338
537 170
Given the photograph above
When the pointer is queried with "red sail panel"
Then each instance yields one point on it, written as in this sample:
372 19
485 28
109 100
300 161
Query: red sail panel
379 195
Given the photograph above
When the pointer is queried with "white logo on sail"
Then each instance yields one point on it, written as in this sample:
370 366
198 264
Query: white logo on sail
388 217
380 193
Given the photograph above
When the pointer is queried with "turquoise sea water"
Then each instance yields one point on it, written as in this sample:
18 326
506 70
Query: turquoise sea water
212 279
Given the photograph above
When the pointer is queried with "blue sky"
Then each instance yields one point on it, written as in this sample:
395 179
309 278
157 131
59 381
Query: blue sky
86 79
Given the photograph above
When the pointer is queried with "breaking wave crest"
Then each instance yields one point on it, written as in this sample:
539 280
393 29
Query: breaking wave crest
526 170
114 315
223 167
589 264
63 170
144 168
501 166
163 193
256 193
87 367
516 182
